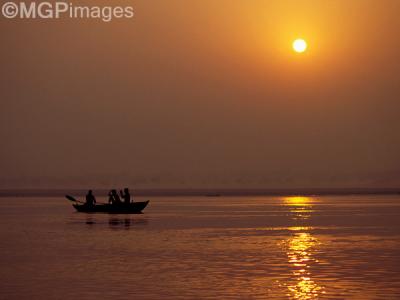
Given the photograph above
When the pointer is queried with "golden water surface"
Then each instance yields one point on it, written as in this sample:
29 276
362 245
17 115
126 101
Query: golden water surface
297 247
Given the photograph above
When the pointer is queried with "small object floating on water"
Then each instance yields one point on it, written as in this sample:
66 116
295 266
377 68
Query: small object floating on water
131 208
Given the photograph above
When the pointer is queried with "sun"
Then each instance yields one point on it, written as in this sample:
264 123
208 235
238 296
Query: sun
299 45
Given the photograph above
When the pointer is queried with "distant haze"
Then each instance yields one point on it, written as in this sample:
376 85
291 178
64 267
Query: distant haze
204 94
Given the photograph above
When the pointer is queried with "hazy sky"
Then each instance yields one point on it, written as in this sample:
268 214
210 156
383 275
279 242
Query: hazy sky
204 93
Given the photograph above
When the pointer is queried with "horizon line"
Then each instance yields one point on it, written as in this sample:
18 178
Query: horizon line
49 192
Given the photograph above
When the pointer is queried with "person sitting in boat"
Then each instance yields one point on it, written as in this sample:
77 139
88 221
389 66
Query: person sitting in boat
114 198
90 199
125 195
110 197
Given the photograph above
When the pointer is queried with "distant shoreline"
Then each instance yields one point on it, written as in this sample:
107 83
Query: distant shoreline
205 192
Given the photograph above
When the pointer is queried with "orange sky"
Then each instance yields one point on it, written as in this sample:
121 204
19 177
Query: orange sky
204 93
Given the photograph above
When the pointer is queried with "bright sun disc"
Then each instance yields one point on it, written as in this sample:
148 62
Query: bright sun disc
299 45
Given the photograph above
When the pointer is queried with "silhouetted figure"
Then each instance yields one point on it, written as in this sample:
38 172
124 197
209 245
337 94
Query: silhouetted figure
115 198
90 198
125 195
110 198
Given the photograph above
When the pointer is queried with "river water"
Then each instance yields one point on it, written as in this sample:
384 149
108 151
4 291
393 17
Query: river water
328 247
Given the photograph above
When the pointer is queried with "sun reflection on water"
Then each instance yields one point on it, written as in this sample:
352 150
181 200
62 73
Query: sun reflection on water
297 201
299 206
300 250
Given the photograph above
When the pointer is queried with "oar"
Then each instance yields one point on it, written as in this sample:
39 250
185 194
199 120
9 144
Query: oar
70 198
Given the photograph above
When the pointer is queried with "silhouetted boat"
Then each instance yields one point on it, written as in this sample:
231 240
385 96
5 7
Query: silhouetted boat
132 208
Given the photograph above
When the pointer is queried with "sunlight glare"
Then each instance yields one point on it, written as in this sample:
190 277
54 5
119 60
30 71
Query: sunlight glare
299 45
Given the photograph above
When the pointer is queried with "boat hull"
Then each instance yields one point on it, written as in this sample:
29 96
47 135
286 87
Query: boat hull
132 208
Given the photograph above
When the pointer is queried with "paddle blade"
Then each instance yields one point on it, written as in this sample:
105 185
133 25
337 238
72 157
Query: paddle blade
70 198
